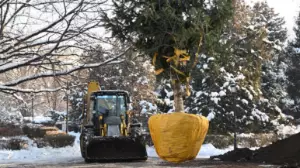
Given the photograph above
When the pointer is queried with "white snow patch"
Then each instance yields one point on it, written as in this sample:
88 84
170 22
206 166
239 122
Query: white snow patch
251 27
210 59
246 135
277 47
260 115
147 107
232 89
240 77
222 93
39 119
225 84
214 94
205 66
206 151
211 116
215 99
199 93
288 101
245 101
47 154
288 129
222 69
203 56
169 94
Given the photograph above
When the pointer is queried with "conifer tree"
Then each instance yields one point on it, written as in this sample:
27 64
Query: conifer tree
293 71
227 83
273 77
171 33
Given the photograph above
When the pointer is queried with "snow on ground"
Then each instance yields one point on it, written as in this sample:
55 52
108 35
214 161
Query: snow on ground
48 154
39 119
287 129
206 151
71 153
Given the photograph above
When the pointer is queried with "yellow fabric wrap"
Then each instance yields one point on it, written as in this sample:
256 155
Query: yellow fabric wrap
178 137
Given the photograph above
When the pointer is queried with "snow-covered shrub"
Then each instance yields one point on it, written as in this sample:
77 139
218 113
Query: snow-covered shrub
59 140
55 140
37 131
57 115
8 130
243 140
219 141
48 136
13 144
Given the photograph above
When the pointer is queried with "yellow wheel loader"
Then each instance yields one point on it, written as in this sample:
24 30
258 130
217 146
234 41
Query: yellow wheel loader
107 131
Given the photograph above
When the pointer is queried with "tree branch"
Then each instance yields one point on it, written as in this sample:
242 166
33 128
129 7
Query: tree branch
15 89
65 72
43 29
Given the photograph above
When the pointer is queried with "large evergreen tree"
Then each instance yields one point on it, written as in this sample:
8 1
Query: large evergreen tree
171 33
273 77
293 71
227 86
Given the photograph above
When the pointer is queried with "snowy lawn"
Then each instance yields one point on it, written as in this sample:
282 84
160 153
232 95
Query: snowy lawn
48 154
67 154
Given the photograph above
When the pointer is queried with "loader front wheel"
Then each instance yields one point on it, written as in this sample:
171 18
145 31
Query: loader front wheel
81 147
86 160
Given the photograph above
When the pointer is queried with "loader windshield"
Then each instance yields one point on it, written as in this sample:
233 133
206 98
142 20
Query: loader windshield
111 105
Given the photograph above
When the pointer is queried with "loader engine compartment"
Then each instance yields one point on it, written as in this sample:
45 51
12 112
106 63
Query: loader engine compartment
107 134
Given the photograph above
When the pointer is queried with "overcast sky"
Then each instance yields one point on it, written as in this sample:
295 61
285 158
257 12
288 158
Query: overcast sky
286 8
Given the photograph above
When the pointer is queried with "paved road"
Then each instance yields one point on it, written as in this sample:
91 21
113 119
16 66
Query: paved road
150 163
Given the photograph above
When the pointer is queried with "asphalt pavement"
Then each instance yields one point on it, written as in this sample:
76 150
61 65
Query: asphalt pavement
150 163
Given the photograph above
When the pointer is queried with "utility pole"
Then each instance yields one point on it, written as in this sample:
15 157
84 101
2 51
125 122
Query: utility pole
32 114
234 116
234 134
67 99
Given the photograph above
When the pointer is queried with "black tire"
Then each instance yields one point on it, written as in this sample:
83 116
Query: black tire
88 160
82 147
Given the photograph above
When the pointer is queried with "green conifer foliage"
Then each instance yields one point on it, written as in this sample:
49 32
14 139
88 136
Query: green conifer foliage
171 33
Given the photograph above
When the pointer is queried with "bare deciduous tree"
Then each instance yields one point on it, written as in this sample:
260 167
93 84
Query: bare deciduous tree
49 36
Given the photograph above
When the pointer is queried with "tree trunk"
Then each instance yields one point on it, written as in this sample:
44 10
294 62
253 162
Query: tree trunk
178 97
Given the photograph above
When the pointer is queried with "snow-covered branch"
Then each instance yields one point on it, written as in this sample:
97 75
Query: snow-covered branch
47 38
64 72
16 89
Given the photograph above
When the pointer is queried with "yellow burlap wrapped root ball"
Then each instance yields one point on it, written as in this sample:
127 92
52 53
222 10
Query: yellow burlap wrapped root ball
178 137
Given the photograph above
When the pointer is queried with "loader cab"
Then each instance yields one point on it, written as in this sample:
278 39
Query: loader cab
109 112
